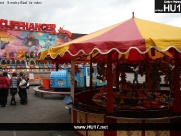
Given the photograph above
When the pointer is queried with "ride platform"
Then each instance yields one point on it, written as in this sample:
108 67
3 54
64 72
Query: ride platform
42 91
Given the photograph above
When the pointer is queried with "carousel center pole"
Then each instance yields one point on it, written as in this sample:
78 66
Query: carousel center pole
110 107
176 102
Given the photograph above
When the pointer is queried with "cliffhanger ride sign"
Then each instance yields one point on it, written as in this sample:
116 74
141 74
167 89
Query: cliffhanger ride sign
17 25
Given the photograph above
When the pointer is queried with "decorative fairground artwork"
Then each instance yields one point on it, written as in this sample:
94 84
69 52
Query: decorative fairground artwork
21 45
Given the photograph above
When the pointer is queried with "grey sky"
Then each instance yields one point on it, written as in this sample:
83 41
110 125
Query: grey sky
84 16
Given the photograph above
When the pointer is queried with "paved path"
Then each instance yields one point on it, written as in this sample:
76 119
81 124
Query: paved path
50 109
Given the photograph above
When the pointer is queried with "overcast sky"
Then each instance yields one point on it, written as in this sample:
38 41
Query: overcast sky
84 16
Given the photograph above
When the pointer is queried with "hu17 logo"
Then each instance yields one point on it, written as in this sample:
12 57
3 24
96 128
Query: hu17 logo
167 6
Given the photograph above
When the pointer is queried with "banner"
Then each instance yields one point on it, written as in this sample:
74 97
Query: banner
90 126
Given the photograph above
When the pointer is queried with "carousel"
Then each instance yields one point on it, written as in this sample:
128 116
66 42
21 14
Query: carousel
150 49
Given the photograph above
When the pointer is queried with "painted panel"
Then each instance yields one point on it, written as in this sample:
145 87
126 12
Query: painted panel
23 45
91 118
129 132
157 133
81 118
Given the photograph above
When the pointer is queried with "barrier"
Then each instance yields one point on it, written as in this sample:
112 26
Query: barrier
46 83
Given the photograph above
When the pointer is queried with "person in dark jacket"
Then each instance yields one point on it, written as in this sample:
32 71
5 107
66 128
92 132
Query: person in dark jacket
22 88
0 89
4 87
136 70
13 87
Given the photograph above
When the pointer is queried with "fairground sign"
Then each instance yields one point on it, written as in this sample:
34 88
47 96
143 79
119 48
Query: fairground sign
23 40
18 25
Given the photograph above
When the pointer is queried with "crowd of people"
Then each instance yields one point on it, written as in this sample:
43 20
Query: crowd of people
15 84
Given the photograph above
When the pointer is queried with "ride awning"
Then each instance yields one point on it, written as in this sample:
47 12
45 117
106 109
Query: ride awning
134 36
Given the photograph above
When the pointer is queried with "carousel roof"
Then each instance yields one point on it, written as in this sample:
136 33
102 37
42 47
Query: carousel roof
134 36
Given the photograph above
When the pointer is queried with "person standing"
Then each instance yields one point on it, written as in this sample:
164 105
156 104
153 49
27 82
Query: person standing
136 70
4 87
13 87
0 89
22 88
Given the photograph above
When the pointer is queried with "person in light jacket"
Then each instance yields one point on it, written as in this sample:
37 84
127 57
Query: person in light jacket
22 89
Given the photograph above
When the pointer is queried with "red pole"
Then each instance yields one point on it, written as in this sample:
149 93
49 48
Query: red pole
117 74
72 78
91 72
110 107
176 103
132 14
146 75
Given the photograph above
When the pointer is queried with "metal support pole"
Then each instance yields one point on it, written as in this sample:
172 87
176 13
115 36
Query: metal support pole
110 105
72 78
176 70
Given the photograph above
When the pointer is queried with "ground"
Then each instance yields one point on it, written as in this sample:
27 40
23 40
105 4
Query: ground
50 109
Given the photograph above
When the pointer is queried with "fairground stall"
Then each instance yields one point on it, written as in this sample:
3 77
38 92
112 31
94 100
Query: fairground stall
153 47
21 41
